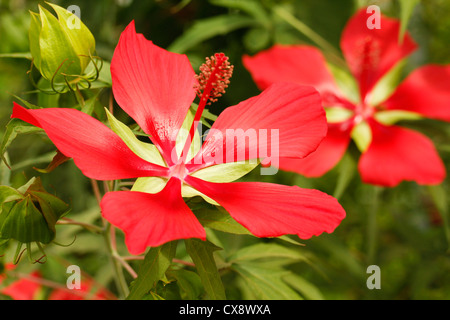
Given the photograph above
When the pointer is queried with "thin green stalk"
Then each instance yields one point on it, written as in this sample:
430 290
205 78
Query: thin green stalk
311 34
372 225
121 283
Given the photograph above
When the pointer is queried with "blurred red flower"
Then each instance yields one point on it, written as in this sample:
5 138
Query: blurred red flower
28 288
393 154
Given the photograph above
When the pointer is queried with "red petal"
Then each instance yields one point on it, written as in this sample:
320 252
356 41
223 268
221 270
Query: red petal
150 220
23 289
96 150
154 86
396 154
304 65
327 155
271 210
292 111
426 91
371 53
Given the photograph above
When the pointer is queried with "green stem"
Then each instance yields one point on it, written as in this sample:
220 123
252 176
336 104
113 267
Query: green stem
311 34
372 226
87 226
121 283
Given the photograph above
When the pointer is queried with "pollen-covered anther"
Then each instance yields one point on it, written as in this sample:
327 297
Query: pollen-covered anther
214 77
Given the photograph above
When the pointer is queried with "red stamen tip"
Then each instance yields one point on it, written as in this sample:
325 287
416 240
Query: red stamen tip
214 77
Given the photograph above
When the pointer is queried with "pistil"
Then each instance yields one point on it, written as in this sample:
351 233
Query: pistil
213 79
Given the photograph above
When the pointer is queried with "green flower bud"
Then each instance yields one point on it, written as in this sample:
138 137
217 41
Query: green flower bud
29 214
61 47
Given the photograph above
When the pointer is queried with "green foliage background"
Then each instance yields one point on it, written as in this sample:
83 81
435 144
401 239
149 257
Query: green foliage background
404 230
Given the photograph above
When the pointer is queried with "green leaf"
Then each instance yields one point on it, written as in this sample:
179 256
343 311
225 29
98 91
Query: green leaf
8 194
267 251
347 170
218 219
156 262
205 29
14 128
251 7
266 283
257 39
440 199
201 253
406 9
26 103
189 283
306 288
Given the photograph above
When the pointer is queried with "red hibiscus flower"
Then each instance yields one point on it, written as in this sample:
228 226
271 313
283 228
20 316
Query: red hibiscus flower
156 88
391 154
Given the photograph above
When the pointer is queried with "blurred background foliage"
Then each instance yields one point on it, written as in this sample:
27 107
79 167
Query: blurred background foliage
404 230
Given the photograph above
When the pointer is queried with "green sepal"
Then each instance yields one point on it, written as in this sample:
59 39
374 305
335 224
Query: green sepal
56 53
390 117
146 151
57 49
14 128
218 218
81 39
226 172
362 135
23 222
29 214
384 88
338 114
33 35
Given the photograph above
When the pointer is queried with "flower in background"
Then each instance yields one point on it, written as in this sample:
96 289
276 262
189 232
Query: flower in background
22 289
390 153
29 287
156 88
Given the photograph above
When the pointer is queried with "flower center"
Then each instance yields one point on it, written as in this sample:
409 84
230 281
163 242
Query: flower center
363 112
178 170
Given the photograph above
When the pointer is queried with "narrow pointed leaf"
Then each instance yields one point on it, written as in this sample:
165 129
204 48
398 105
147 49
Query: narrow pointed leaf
266 283
201 253
155 265
14 128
